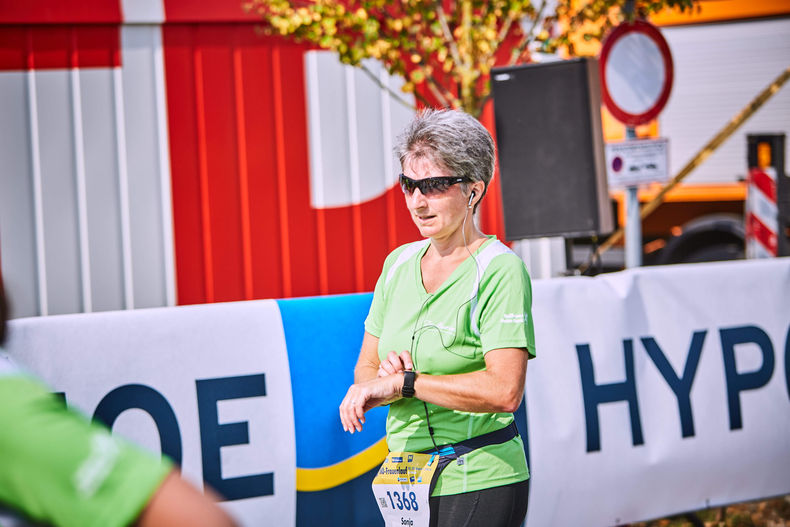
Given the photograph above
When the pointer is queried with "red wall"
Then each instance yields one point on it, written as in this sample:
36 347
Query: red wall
27 47
243 224
244 227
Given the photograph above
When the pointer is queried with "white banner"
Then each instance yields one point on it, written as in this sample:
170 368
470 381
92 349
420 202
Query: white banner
659 390
655 391
209 385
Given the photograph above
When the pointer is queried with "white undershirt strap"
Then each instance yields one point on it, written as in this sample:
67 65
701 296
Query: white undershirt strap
484 259
409 251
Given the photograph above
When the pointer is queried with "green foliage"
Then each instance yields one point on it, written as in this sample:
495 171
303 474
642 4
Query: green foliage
593 19
445 50
741 520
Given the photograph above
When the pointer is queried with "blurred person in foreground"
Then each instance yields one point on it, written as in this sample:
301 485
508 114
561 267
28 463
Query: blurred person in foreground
57 468
450 331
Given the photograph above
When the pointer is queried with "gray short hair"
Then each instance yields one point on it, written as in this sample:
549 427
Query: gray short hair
450 139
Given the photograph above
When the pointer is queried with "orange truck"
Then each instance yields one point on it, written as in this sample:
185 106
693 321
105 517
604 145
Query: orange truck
724 53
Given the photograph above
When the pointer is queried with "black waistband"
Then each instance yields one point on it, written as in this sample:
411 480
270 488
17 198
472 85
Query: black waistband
450 452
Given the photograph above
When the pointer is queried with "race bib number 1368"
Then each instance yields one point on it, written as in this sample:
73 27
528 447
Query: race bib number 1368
401 488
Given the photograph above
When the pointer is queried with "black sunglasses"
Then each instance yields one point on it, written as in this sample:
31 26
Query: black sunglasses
429 186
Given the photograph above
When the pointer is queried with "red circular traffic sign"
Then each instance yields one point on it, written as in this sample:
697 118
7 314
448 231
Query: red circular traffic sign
636 72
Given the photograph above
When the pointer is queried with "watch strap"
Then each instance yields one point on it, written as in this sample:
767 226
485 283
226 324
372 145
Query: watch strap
408 383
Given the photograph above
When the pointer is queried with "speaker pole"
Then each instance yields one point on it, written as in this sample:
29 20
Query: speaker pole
633 223
570 267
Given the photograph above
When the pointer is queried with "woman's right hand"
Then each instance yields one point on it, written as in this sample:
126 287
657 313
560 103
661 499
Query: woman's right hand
363 396
394 363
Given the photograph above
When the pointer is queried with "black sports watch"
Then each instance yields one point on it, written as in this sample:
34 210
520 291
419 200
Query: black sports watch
408 383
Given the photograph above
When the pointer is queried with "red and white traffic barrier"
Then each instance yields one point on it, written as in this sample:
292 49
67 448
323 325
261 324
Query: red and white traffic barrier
762 214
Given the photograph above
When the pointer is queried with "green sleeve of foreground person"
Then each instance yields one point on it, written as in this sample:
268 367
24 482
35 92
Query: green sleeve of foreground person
65 470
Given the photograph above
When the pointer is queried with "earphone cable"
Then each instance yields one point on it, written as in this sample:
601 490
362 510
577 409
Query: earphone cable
419 313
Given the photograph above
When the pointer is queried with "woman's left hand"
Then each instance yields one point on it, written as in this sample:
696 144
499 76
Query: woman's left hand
363 396
394 363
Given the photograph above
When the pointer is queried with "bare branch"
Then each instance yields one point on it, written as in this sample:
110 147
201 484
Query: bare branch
383 86
482 103
528 36
466 22
436 90
447 92
448 36
501 36
422 99
445 97
505 28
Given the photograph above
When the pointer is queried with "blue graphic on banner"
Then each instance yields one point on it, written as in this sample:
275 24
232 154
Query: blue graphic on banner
323 336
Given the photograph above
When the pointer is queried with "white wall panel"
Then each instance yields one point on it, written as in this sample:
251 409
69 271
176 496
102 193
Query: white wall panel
59 192
544 257
143 11
150 221
103 214
330 168
351 159
369 126
719 69
17 217
85 214
399 114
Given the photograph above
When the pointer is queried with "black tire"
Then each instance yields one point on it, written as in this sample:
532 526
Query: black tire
710 238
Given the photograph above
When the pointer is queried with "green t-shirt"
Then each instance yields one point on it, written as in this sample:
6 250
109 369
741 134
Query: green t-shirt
58 468
448 332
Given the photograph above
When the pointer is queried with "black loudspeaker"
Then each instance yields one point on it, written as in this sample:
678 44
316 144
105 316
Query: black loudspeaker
551 150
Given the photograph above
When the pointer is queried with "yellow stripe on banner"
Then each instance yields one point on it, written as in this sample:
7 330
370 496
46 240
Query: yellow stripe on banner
313 479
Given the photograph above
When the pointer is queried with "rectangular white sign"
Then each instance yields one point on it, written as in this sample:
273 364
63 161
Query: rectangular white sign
637 162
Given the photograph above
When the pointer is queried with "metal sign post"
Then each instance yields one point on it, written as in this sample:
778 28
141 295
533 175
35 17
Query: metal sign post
636 78
633 223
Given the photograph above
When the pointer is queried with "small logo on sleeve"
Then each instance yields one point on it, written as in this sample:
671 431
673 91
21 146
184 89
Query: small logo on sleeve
514 318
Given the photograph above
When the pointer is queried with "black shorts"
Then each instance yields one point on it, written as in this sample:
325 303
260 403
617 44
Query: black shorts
504 506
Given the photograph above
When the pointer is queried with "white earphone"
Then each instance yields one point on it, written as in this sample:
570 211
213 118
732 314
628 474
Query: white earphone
469 205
